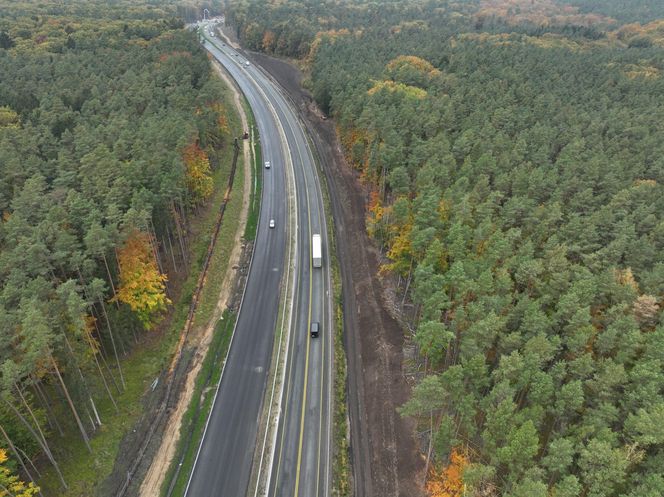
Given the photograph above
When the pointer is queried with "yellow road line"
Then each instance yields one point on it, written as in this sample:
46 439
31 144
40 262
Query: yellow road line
306 362
322 383
288 387
287 160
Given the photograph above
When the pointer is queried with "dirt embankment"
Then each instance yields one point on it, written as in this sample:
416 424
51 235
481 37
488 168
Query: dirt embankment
385 454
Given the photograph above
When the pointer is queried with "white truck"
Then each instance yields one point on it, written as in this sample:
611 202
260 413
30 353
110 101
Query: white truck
316 250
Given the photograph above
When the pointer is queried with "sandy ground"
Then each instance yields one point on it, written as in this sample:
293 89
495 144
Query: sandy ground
385 454
164 455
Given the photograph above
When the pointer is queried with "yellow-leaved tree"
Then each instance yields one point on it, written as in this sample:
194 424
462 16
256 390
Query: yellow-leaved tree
8 118
412 71
199 174
142 286
10 484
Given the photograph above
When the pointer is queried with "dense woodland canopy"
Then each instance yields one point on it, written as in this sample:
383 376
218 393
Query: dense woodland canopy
110 124
622 10
516 170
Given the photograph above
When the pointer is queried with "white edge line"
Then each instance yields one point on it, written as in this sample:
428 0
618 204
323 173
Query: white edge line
292 195
331 307
223 368
289 161
324 228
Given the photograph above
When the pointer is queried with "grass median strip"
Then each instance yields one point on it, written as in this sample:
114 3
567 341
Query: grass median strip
255 206
341 461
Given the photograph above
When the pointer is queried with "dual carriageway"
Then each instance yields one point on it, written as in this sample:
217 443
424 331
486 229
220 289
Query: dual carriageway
284 295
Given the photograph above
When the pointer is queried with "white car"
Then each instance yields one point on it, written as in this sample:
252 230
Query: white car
271 223
267 164
246 63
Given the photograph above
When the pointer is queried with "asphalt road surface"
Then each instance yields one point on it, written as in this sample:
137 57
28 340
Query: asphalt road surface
298 461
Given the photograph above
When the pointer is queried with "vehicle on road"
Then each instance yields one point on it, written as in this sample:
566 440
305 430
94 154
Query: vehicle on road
315 329
316 250
246 63
267 164
271 223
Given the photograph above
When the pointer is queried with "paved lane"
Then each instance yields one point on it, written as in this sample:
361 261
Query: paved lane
299 460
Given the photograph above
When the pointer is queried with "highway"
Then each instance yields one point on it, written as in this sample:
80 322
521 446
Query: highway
296 458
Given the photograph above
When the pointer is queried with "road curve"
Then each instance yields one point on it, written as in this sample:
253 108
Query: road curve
301 466
298 462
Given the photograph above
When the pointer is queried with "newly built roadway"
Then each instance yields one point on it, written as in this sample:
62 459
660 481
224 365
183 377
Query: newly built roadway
294 457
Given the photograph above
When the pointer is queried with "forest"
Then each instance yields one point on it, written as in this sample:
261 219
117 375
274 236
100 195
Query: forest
634 11
513 155
110 129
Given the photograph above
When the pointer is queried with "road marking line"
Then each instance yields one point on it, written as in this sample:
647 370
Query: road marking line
322 363
321 222
223 368
290 367
288 161
306 361
326 278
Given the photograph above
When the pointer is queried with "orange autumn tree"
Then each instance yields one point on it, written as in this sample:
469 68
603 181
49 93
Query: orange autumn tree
448 481
142 286
199 174
268 41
